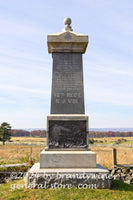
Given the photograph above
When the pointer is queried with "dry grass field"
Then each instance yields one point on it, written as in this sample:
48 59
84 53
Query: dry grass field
107 140
10 154
28 139
18 153
104 155
114 140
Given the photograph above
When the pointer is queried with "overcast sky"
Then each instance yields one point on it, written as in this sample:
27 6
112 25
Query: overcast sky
26 66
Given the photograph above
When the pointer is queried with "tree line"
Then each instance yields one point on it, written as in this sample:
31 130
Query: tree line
96 134
92 134
25 133
6 133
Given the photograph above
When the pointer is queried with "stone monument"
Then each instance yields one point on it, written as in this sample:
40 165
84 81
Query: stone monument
67 150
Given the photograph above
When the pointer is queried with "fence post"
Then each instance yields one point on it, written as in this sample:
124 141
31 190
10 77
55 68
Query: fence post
30 154
114 155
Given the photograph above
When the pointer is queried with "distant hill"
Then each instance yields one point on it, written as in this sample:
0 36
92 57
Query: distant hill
112 129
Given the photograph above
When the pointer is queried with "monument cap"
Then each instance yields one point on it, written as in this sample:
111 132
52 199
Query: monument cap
67 40
67 22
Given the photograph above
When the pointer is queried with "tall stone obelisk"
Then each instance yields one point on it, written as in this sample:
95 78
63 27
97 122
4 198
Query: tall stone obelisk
67 125
67 160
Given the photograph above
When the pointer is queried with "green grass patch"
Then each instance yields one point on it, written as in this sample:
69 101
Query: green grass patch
119 191
14 169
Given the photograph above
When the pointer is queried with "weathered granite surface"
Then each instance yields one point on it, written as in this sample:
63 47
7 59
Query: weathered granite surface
87 178
67 159
67 84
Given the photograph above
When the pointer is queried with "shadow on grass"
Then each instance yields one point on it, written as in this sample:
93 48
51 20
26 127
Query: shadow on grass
120 185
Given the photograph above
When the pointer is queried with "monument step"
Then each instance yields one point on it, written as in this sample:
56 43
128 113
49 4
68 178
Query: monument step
91 178
67 159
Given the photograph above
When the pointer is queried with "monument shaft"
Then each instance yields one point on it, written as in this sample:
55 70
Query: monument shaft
67 84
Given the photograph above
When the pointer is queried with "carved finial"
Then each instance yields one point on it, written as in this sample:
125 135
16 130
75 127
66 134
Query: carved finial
67 22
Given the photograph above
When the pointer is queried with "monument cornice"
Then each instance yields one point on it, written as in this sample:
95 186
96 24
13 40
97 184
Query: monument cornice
67 41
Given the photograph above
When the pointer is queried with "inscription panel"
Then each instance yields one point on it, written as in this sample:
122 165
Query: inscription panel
67 134
67 84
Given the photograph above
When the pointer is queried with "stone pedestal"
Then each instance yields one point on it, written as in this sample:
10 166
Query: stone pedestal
67 159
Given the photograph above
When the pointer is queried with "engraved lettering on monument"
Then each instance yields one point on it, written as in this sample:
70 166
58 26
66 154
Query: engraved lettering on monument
67 84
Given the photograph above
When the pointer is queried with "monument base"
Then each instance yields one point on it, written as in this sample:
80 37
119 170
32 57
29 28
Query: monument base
55 178
67 131
67 159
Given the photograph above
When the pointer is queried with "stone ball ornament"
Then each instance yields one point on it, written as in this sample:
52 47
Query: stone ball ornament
67 21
